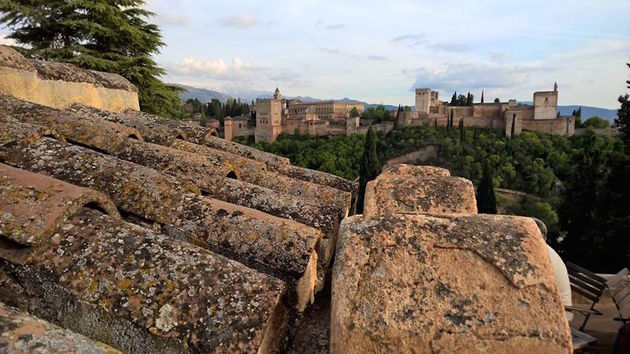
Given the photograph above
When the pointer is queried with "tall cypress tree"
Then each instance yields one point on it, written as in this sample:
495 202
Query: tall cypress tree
454 99
369 166
486 199
623 116
462 132
105 35
481 96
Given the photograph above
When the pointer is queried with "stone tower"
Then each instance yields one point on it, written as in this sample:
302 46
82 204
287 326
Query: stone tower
423 100
546 104
269 118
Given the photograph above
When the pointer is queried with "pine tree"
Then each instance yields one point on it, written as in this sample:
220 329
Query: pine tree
369 166
486 200
104 35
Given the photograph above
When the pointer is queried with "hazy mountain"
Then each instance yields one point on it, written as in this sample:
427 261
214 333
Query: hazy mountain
588 112
203 95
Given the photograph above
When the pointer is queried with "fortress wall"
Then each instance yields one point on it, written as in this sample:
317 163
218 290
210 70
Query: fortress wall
483 122
488 110
381 127
461 111
557 126
234 128
59 85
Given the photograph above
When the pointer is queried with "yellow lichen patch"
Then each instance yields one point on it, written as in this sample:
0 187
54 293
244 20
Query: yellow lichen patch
125 284
191 188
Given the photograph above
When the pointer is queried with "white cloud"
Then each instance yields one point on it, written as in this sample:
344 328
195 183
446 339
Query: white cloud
412 40
173 20
499 56
239 21
592 73
335 26
329 50
449 47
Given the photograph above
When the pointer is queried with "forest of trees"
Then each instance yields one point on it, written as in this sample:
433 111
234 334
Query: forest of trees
216 109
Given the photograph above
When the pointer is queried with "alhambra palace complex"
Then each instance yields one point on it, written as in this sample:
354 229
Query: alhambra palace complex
276 115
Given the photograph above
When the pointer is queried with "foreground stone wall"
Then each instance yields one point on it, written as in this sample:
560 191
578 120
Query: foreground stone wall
422 272
59 85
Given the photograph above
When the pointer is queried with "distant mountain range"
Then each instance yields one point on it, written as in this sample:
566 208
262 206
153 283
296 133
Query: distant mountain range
206 95
588 112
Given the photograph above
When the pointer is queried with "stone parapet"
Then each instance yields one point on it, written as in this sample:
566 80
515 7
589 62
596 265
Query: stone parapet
405 189
422 272
474 284
58 85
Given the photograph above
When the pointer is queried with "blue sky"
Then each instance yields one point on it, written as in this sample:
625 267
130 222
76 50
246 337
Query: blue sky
378 51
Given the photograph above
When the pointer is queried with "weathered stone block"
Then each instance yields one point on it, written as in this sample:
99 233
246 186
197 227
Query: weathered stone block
58 85
23 333
405 189
142 292
280 247
416 283
32 206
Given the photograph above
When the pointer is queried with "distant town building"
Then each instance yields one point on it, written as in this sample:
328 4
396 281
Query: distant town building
542 116
272 116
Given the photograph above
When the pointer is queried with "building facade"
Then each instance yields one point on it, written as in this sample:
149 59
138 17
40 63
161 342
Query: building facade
541 117
277 115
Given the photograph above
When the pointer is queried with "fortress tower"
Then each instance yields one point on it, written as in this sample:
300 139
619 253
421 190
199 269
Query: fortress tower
546 104
423 100
269 118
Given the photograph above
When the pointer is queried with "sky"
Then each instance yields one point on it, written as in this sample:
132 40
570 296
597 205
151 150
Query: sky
379 51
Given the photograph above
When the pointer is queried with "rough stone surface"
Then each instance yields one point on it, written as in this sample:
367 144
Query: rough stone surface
401 170
58 85
155 129
208 160
325 179
143 292
254 172
419 189
21 333
49 70
467 283
87 131
10 58
32 205
276 246
256 166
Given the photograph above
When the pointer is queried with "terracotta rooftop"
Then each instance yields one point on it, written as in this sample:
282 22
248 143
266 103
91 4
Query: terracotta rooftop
124 231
